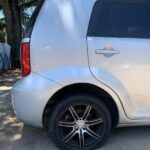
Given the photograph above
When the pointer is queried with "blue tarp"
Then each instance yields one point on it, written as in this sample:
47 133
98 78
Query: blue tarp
4 56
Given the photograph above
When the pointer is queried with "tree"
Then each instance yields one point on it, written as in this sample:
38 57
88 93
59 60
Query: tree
2 31
13 22
12 10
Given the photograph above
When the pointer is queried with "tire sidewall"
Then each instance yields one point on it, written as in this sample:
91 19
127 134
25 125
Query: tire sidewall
78 99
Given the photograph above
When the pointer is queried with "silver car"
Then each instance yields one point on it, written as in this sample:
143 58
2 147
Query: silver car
86 70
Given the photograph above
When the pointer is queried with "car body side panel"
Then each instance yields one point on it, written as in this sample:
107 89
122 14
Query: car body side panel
59 57
30 95
127 72
59 36
62 57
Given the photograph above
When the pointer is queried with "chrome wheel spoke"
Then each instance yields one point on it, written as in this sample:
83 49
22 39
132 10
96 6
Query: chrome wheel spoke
70 136
81 138
77 122
92 133
94 122
66 124
87 112
73 113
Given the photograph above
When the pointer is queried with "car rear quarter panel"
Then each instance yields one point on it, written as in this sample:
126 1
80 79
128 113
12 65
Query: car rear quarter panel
59 46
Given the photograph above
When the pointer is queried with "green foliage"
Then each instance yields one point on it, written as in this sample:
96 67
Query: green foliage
26 15
20 2
27 7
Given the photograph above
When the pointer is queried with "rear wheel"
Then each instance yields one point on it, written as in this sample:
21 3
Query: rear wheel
80 122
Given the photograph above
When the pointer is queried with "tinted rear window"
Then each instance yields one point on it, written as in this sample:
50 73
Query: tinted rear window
104 19
32 21
130 20
120 19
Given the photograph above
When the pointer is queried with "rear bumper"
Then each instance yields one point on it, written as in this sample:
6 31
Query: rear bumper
30 96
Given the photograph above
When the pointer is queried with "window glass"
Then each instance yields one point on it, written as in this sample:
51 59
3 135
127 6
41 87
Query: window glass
100 20
130 20
104 21
94 18
33 17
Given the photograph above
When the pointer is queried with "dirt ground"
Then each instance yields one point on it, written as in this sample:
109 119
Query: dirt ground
15 135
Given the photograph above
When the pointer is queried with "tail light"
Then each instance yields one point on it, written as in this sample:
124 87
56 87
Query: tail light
25 59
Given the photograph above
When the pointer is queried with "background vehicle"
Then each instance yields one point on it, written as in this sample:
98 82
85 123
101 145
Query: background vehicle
86 69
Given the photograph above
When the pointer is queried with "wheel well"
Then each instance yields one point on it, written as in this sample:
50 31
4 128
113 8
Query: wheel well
87 88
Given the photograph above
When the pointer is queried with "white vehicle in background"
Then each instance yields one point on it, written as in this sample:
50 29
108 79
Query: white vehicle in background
86 70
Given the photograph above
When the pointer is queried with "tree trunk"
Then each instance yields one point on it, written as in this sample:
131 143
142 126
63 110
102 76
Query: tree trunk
12 16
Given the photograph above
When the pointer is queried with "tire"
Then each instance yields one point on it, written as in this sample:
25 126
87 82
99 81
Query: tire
80 121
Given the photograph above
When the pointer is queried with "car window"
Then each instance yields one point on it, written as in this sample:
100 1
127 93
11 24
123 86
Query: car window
32 20
100 20
94 18
130 19
104 22
120 19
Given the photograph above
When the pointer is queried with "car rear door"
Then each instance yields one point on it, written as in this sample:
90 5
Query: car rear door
119 51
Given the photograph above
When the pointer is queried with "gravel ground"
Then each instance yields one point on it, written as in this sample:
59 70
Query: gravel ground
15 135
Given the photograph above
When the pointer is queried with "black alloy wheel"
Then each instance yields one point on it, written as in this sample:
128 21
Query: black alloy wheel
80 121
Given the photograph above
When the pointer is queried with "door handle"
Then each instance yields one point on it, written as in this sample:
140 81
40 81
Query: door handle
107 51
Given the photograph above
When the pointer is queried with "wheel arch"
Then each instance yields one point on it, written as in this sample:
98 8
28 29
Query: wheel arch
77 88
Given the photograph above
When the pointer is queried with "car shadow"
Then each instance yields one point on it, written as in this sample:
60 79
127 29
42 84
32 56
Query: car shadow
131 138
